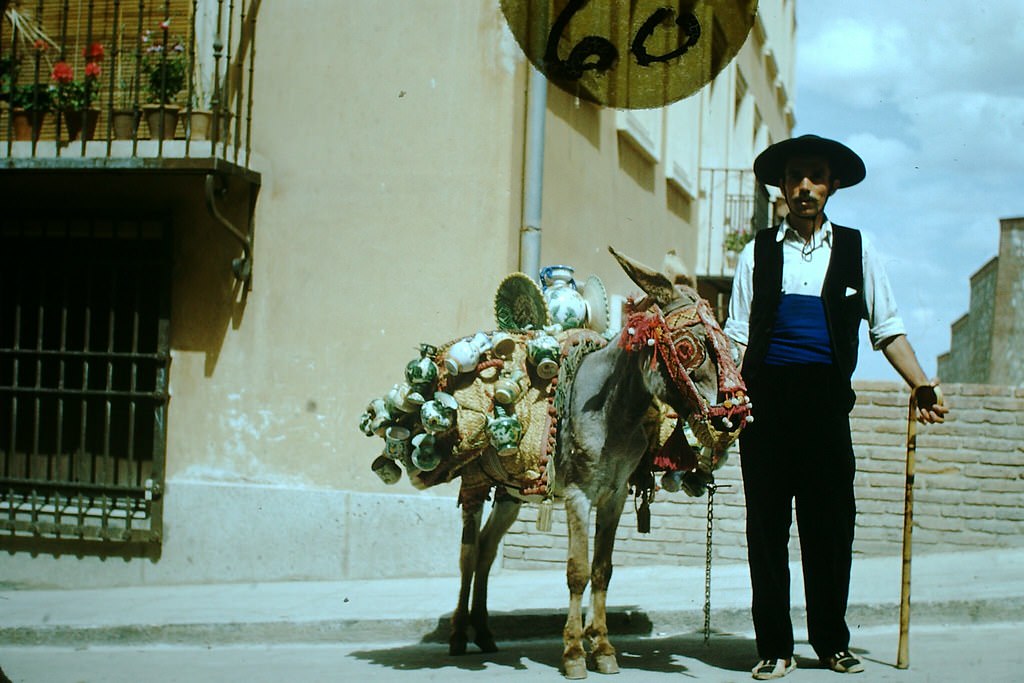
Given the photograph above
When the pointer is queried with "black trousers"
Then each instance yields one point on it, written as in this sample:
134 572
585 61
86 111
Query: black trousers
799 448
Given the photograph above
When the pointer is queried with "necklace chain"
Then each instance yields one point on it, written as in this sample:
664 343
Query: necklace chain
808 248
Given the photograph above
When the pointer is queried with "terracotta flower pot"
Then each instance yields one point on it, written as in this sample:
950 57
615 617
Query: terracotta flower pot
27 124
79 122
161 119
125 123
200 123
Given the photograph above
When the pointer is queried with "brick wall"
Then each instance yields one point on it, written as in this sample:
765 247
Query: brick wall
969 489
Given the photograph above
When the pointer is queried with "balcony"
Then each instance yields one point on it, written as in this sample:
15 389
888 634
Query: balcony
157 91
104 224
733 207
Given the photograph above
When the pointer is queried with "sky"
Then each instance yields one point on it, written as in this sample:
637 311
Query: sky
930 93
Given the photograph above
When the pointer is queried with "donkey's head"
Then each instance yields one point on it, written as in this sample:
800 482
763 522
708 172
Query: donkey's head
695 374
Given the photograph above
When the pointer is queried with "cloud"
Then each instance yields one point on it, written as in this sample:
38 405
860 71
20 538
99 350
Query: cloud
928 92
981 132
853 61
879 152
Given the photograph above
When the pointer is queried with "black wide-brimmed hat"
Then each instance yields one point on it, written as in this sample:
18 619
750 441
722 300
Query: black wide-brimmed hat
846 166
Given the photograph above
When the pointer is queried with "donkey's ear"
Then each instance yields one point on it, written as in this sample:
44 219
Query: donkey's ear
675 270
651 281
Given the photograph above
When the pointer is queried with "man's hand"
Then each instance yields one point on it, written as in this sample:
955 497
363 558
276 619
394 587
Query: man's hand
928 398
901 356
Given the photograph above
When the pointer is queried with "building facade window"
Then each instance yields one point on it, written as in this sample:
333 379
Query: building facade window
84 363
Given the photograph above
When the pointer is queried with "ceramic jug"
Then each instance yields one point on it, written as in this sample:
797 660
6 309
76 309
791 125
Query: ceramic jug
438 414
462 356
567 306
543 351
425 456
421 373
504 431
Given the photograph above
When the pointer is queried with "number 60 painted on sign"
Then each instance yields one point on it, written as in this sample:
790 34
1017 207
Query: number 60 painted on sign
676 46
604 50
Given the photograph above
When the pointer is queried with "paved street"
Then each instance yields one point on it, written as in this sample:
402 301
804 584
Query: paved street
981 652
966 624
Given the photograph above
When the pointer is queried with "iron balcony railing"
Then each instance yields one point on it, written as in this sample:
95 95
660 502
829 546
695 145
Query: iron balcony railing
127 78
734 205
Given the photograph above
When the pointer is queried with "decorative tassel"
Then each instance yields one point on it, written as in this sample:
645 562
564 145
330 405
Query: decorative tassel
643 514
544 515
675 454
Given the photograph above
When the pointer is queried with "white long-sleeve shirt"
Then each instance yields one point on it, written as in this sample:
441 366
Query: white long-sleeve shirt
806 275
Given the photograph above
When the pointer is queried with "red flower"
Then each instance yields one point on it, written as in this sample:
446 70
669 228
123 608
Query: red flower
94 52
92 70
62 73
39 44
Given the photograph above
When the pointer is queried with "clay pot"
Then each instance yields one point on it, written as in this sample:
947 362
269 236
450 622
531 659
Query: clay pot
80 122
200 124
125 123
26 124
161 119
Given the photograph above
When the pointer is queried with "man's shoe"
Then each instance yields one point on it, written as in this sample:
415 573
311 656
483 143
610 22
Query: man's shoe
768 669
844 663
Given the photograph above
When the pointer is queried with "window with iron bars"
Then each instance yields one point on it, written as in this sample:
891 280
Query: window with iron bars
84 363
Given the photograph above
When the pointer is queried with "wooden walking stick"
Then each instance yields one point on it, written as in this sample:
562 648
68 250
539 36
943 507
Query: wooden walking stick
927 396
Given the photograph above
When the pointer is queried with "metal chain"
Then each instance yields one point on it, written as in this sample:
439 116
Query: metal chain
712 487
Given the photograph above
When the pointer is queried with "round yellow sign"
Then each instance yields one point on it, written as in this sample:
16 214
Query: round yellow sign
630 54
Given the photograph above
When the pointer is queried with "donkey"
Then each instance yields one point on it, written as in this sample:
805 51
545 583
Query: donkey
670 349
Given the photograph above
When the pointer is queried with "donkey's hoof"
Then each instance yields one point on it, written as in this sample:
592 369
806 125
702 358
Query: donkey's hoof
575 669
486 643
605 664
457 646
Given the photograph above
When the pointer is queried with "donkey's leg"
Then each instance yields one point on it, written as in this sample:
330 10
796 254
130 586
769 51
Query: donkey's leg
471 514
504 513
601 651
577 512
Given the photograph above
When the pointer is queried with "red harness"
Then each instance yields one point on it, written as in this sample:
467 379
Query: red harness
679 346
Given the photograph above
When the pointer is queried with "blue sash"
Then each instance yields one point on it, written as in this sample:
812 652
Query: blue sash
800 335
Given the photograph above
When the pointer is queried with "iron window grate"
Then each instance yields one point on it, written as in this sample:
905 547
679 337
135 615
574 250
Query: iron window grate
84 362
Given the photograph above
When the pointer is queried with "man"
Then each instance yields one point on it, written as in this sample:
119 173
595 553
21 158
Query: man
799 294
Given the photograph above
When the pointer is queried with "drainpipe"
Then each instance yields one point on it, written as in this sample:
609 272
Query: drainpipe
533 173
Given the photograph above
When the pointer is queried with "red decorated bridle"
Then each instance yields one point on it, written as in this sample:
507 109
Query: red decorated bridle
673 336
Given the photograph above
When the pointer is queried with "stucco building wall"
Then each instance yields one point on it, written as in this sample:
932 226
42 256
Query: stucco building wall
389 138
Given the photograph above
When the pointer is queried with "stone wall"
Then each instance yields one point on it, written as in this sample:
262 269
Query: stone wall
1007 362
982 316
969 489
970 348
984 344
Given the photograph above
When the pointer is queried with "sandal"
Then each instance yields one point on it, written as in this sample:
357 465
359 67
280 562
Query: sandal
768 669
843 662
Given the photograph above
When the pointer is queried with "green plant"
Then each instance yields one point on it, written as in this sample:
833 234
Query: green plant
124 65
71 94
27 33
33 97
164 67
7 67
737 238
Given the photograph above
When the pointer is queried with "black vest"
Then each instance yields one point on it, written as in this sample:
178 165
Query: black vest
842 313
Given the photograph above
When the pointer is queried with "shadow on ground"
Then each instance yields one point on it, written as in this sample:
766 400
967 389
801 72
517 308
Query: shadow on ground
663 654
